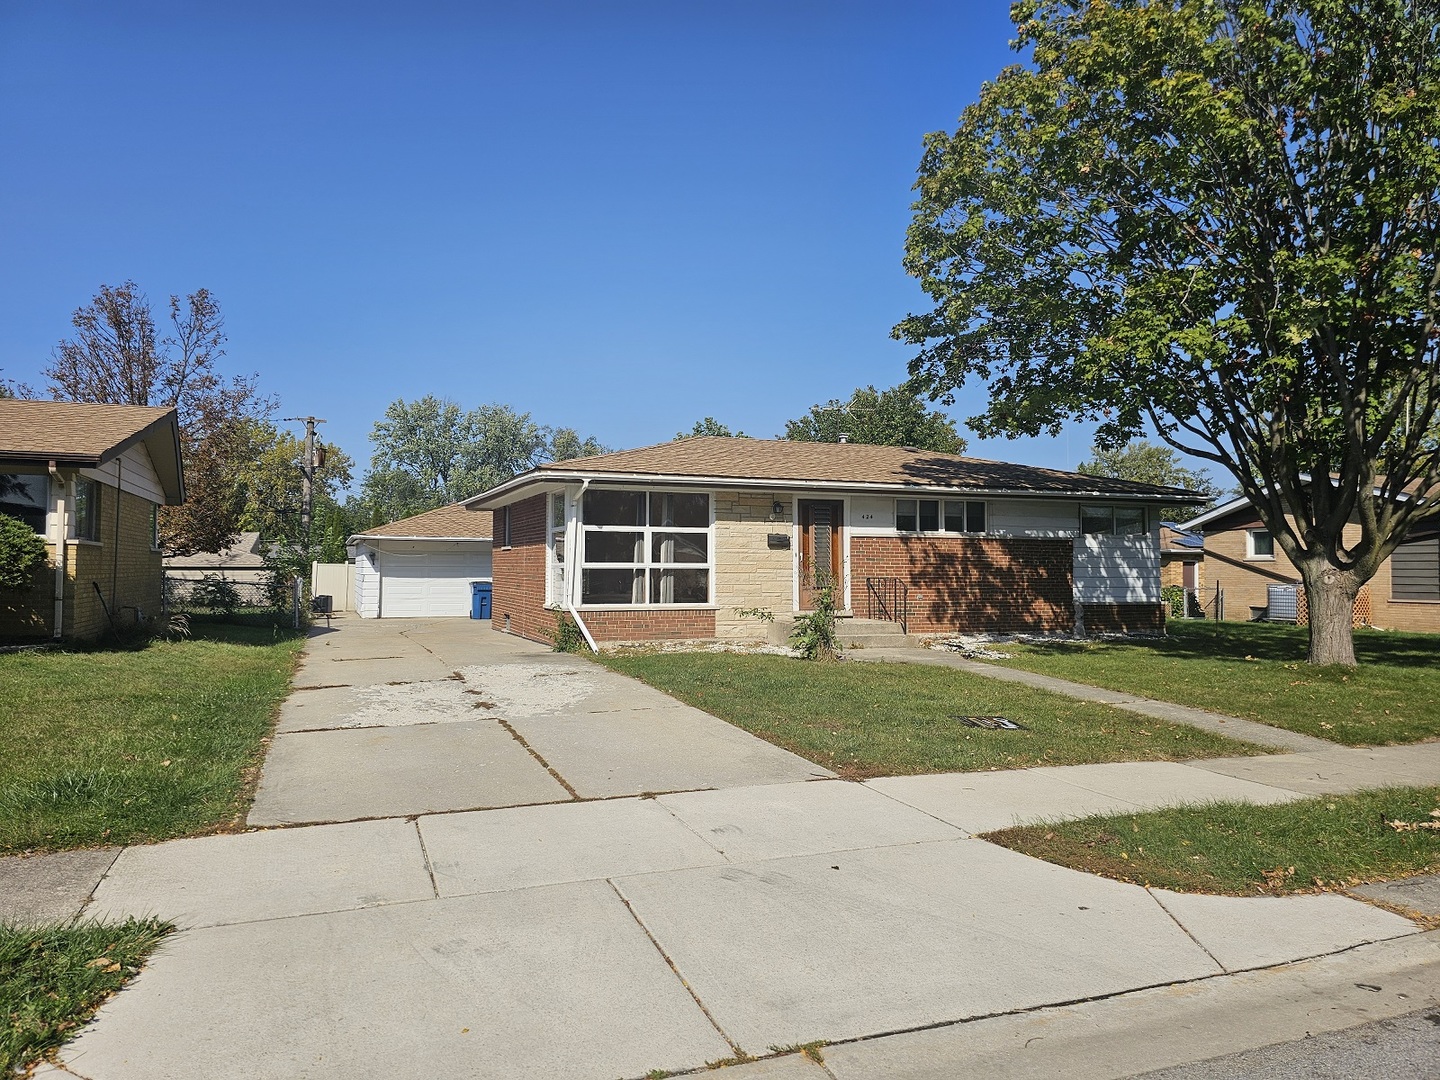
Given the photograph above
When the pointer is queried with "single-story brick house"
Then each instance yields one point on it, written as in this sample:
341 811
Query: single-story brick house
1243 560
90 479
674 541
422 566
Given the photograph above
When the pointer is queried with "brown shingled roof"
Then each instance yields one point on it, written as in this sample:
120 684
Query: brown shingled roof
454 522
72 433
716 458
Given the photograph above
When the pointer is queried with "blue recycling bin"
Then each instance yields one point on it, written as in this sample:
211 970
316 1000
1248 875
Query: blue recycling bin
480 592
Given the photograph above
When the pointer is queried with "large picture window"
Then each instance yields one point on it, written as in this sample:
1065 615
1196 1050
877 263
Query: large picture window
645 547
937 515
25 496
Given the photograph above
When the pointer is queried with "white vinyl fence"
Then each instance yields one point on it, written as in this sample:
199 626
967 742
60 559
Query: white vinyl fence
336 580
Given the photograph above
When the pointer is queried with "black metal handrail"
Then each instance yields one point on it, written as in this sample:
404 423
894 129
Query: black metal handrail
890 597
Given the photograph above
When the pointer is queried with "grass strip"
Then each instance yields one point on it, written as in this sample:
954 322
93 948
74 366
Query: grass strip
53 978
1258 671
124 747
1238 849
868 719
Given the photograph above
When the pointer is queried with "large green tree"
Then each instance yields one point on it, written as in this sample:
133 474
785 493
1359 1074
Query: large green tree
1152 463
118 356
710 426
271 482
894 417
1220 217
431 452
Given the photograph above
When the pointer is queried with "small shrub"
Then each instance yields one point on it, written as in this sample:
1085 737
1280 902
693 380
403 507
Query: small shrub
215 593
567 636
814 635
1173 597
22 555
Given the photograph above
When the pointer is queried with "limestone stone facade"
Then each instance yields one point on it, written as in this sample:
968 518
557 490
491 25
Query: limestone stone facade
749 572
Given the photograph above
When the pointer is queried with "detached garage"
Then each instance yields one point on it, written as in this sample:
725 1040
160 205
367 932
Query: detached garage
422 566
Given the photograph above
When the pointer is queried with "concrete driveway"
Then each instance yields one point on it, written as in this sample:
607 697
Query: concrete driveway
531 867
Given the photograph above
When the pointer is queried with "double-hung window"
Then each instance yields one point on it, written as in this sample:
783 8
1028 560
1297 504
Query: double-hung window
1112 520
87 509
555 579
645 547
939 515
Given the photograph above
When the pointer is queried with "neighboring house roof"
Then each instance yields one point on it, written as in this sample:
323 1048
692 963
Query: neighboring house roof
70 433
767 462
1173 537
454 522
243 554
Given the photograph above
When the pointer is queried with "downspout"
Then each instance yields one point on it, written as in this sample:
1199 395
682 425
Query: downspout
571 561
61 549
115 557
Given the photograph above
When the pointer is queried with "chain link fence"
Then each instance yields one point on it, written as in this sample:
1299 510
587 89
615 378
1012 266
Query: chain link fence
212 598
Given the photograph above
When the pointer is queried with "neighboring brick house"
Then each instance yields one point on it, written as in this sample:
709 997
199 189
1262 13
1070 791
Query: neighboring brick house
676 540
1182 557
90 479
1243 560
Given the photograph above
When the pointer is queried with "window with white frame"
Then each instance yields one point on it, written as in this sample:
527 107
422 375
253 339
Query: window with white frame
1259 544
939 515
1112 520
645 547
25 496
555 578
87 509
154 527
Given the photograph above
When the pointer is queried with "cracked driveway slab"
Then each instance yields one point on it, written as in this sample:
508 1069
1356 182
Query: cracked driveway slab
318 776
849 944
545 845
547 983
658 749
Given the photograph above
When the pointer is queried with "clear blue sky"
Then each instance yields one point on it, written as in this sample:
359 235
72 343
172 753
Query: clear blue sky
619 217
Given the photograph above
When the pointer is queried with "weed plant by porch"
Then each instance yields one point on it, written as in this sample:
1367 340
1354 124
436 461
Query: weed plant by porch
128 746
52 978
1239 849
865 719
1258 671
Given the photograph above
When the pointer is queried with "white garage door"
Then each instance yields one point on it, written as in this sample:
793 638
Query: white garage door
424 579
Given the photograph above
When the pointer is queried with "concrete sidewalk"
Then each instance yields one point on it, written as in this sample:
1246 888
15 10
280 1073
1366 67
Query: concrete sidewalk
685 893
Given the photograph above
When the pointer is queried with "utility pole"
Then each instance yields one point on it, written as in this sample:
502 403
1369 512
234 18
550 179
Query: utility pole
307 475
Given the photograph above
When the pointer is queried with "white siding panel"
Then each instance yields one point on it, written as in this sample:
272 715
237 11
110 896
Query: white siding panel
1034 517
1117 569
872 512
135 474
367 584
430 578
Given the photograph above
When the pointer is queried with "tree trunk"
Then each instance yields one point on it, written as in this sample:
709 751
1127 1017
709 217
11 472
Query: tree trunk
1330 594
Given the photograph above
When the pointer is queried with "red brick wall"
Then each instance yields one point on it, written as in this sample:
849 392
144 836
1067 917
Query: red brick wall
1124 618
652 624
518 572
972 584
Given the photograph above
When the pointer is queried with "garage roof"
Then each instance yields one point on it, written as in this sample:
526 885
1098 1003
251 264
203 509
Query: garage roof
453 522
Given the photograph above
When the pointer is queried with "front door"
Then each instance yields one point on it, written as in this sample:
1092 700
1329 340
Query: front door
822 550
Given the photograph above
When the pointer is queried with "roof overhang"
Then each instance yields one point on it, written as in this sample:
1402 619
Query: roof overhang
162 442
508 492
441 539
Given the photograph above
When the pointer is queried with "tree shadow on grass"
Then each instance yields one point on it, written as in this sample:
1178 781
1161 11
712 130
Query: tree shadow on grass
1244 642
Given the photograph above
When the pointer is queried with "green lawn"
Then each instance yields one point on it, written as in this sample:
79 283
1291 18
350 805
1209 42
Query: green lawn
1242 850
120 747
53 978
866 719
1258 671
